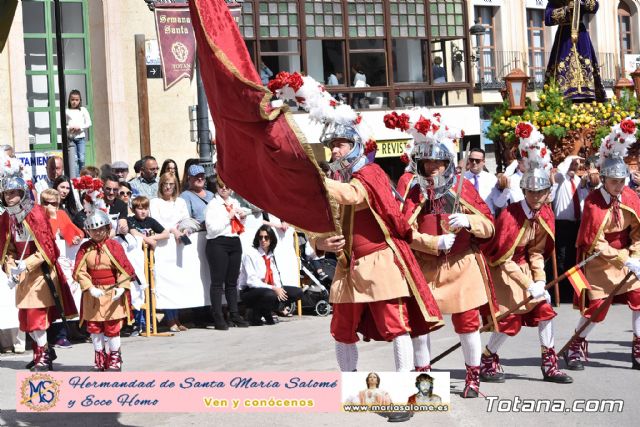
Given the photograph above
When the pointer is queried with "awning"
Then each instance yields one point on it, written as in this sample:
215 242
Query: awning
7 11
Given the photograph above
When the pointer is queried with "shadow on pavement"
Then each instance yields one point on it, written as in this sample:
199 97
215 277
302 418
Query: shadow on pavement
13 418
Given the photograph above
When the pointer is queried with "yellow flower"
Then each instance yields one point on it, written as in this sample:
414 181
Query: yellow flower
566 125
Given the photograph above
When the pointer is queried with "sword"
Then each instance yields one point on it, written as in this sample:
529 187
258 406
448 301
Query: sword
456 203
521 304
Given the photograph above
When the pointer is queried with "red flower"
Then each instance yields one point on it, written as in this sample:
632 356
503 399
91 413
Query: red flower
523 130
524 153
404 158
543 152
333 103
628 126
370 146
403 122
97 184
391 120
438 116
435 127
30 184
300 99
423 125
357 120
295 81
281 79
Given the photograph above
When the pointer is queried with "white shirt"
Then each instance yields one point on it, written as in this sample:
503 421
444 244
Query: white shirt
216 217
515 192
607 196
359 80
527 210
562 195
168 213
78 118
332 80
253 270
492 196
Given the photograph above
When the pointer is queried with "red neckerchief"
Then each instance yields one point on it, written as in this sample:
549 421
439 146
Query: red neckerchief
99 249
615 211
268 277
236 225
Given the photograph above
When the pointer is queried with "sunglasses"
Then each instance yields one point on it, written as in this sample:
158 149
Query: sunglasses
125 193
264 238
110 190
49 203
476 160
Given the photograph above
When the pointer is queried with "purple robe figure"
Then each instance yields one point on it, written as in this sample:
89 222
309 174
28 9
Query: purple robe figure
575 69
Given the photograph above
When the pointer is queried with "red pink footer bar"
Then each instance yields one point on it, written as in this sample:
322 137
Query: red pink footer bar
277 392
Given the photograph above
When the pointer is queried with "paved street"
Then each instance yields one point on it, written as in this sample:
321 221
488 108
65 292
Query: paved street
305 344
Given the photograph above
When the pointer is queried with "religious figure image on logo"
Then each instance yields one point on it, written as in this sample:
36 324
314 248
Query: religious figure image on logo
180 51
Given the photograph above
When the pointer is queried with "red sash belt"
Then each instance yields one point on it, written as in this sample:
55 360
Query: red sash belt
432 224
367 235
619 239
104 277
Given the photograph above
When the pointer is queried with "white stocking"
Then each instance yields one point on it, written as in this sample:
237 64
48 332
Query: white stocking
347 356
39 337
635 322
588 329
114 343
421 351
403 353
471 348
496 341
97 340
545 333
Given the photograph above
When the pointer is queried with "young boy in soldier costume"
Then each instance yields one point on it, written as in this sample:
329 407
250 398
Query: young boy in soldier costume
525 234
104 274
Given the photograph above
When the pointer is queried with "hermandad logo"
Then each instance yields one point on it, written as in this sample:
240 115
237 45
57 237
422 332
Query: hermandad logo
39 392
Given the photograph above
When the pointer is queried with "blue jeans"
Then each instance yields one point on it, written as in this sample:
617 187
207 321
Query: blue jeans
76 150
139 317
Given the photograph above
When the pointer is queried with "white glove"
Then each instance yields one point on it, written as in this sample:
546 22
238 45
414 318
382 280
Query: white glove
95 292
21 266
446 241
117 293
633 264
459 221
12 281
547 297
536 289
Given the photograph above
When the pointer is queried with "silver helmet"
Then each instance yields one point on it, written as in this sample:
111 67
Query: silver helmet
16 183
434 186
614 166
535 178
97 219
345 166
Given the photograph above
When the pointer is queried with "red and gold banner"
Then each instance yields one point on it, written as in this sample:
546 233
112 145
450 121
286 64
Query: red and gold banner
176 41
262 154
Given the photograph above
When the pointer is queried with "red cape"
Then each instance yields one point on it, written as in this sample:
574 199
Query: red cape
262 154
113 250
118 258
595 211
508 227
405 184
471 200
39 227
386 211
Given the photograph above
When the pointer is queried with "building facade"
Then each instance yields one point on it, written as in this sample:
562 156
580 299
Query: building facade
375 54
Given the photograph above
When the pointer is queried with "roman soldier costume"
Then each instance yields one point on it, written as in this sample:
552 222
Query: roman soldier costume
453 263
378 289
104 273
30 256
611 226
524 238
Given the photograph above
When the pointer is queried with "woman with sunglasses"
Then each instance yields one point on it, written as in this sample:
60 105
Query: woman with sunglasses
224 220
124 194
260 281
61 224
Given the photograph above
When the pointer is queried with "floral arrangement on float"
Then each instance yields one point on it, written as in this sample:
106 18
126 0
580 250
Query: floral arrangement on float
568 128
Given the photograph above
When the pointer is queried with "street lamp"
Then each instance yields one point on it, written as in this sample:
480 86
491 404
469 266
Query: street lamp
635 76
516 82
621 85
479 31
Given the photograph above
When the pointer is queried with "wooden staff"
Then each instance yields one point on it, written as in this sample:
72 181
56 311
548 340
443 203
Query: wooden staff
597 312
514 309
556 288
150 295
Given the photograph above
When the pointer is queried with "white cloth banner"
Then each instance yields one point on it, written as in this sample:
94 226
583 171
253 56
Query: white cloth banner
182 273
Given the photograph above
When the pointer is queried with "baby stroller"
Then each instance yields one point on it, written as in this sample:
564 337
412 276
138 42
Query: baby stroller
315 277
